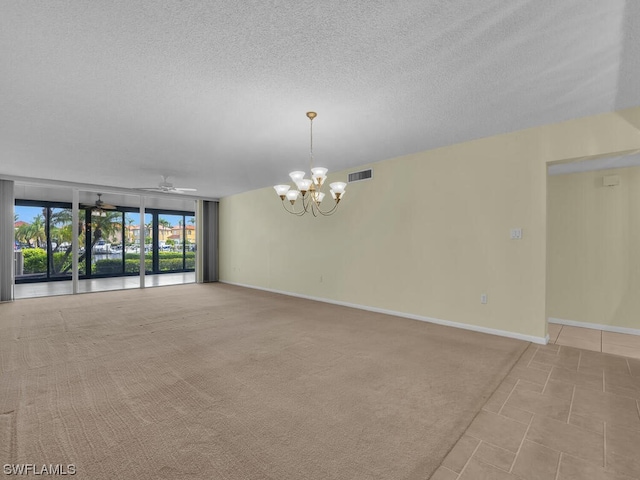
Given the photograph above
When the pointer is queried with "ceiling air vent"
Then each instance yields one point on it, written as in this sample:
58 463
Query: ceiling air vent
363 175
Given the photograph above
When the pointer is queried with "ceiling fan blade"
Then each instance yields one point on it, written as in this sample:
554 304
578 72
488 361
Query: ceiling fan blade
167 187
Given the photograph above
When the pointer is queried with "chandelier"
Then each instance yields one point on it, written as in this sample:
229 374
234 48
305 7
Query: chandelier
310 189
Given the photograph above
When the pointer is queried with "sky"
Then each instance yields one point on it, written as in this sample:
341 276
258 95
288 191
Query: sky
26 214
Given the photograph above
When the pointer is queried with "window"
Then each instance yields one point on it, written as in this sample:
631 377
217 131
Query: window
109 243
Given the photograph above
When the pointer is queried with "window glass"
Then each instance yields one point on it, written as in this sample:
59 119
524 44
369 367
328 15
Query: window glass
106 242
109 241
170 242
190 242
132 243
30 247
60 234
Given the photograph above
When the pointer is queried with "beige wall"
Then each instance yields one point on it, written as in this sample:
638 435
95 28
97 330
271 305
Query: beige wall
428 234
594 248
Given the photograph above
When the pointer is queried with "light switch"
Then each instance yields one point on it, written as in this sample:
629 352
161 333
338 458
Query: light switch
516 233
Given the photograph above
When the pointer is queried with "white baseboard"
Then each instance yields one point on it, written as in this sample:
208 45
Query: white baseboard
448 323
595 326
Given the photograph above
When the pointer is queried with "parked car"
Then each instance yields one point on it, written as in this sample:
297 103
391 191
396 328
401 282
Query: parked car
20 246
101 247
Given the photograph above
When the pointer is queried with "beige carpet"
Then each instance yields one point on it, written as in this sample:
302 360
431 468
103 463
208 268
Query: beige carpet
220 382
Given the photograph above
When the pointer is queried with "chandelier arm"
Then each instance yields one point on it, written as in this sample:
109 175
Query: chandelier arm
285 208
309 202
323 213
293 212
329 212
314 206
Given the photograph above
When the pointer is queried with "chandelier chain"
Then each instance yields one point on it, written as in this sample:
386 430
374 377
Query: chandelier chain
311 143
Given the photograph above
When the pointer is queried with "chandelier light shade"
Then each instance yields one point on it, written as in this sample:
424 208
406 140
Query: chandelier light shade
309 189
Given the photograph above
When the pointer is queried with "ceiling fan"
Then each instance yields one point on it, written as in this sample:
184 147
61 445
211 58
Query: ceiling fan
167 187
99 205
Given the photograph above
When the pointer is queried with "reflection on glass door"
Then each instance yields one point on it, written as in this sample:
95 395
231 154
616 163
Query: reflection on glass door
133 245
110 242
176 242
170 242
30 248
60 235
148 243
106 242
190 242
131 242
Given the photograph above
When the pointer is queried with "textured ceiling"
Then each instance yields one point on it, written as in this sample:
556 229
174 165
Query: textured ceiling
214 93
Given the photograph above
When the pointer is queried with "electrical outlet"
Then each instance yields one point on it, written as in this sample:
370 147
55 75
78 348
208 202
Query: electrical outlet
516 233
483 298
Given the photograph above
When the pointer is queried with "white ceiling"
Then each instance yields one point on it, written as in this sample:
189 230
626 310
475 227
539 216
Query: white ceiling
214 93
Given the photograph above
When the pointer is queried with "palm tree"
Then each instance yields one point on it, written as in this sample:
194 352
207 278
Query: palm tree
36 231
23 235
163 226
180 223
192 221
148 233
60 230
61 233
130 222
103 227
106 227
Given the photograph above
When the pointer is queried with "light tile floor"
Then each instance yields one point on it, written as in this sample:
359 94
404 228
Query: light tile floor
47 289
562 413
596 340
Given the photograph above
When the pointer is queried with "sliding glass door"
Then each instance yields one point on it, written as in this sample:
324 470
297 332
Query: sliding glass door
59 246
173 241
30 248
110 241
104 243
